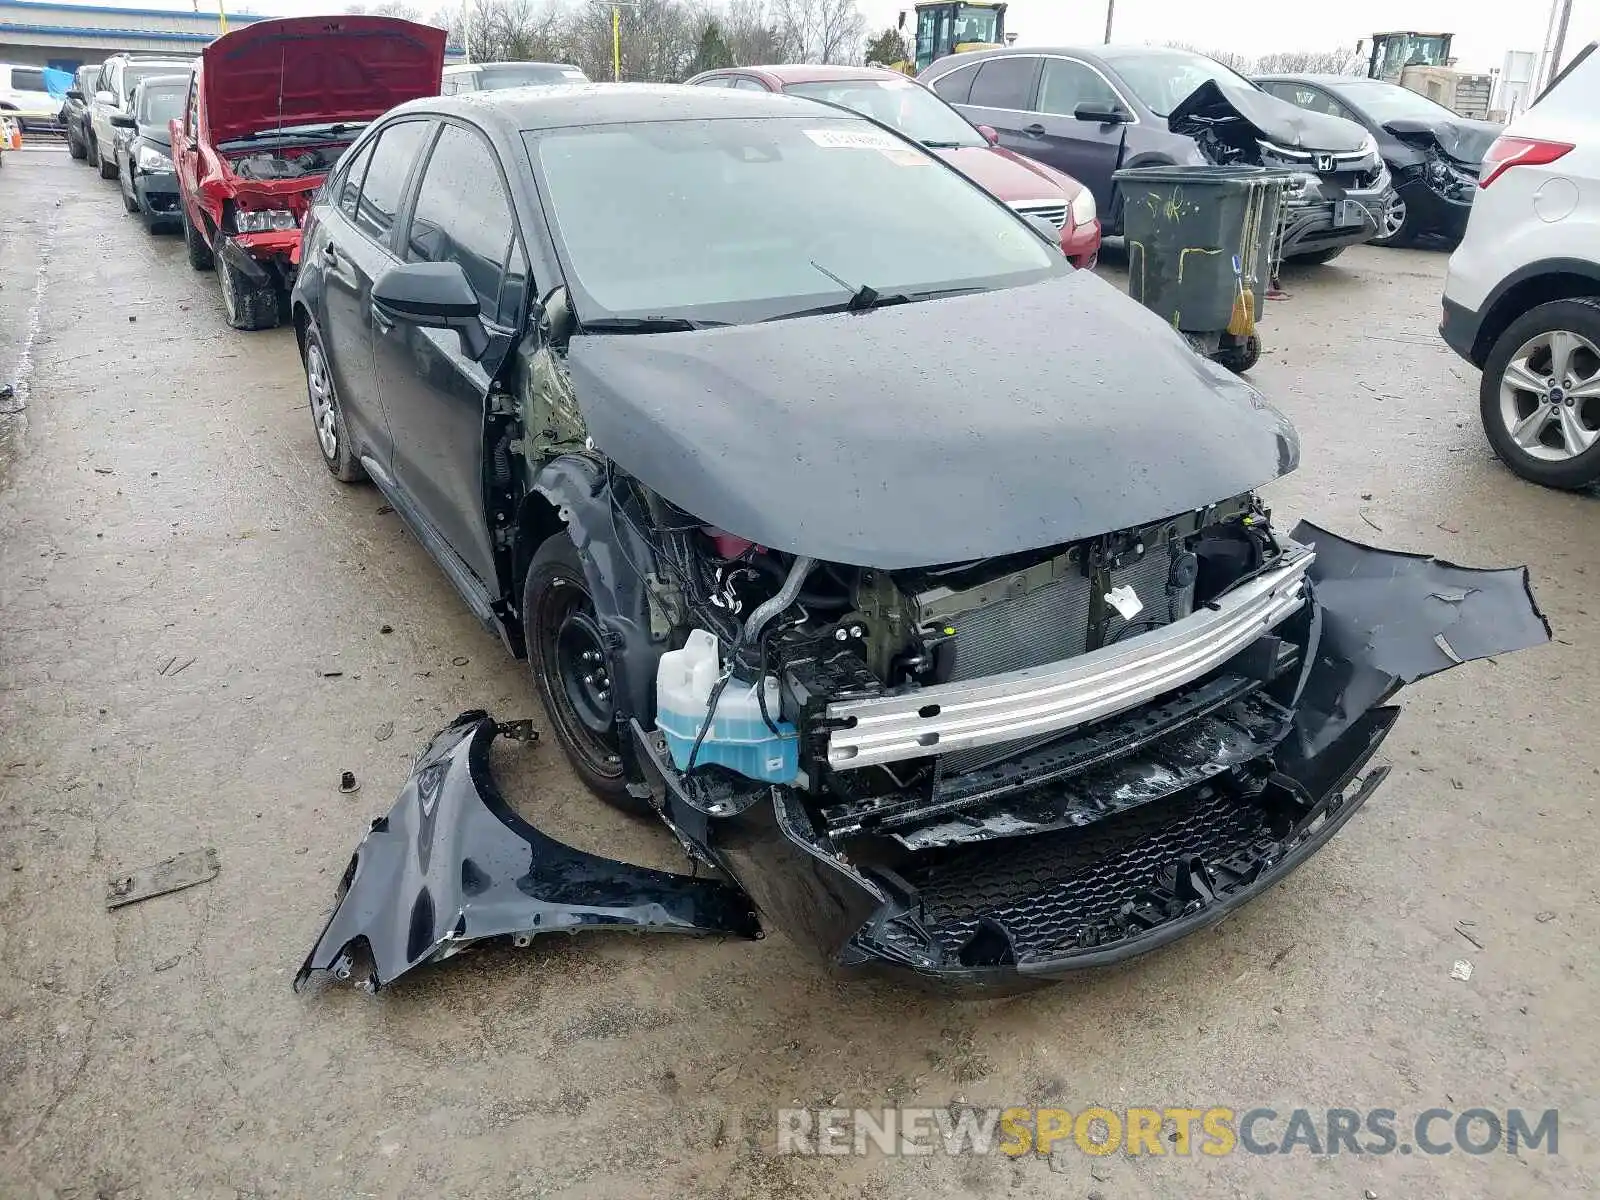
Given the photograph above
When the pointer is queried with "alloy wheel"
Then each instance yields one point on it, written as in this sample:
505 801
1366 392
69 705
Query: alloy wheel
1394 216
320 389
1550 395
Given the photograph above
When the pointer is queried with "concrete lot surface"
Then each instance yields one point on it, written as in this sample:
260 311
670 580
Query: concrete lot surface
193 647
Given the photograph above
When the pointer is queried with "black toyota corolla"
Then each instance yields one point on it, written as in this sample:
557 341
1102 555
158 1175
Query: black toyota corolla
915 580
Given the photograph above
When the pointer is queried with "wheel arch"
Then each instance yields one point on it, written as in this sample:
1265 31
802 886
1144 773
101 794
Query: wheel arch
1526 289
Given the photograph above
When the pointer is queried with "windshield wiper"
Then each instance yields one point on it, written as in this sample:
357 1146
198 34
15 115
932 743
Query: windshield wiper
861 298
947 145
866 298
647 325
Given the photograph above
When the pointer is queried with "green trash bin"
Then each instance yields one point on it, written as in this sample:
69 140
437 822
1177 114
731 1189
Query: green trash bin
1200 245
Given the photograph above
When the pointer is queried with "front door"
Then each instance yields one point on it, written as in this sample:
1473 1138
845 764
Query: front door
435 394
1089 151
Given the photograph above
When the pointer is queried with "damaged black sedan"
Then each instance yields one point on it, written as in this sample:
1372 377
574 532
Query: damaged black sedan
1432 155
926 598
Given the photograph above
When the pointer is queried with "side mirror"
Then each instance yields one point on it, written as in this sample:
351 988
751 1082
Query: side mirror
556 322
433 295
990 134
1101 112
122 121
74 94
1044 229
104 97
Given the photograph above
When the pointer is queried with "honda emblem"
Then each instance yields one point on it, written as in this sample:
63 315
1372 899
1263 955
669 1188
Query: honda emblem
1324 163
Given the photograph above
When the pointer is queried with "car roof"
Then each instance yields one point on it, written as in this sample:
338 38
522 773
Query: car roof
557 106
807 72
462 68
1324 80
179 81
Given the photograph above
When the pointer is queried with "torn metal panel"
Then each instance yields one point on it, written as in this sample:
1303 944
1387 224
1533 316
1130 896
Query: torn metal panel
1390 619
453 864
169 875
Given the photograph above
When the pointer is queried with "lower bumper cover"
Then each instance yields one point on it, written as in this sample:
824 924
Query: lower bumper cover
1437 215
158 195
1459 326
1311 225
453 864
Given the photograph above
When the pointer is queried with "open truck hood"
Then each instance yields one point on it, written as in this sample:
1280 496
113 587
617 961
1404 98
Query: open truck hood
1276 121
310 70
1027 417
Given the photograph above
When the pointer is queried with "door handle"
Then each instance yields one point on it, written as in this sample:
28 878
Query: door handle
1034 130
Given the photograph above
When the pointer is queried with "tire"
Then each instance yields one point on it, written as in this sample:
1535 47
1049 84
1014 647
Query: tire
76 148
1241 357
1550 450
108 170
559 624
130 200
1316 258
1402 221
327 415
247 304
200 256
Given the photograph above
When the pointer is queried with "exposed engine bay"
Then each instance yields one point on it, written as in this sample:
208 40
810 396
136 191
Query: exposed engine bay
288 163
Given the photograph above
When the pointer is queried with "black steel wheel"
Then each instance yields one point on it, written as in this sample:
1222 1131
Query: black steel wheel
572 670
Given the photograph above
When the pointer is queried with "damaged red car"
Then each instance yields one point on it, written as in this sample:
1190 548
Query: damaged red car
271 109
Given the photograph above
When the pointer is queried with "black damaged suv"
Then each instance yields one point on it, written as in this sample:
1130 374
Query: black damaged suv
944 664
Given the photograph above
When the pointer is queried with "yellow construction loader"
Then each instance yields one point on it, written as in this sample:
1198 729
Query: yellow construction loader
945 28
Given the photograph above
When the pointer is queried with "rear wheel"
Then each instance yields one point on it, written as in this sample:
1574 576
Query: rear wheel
572 669
75 146
200 256
108 170
327 417
1540 395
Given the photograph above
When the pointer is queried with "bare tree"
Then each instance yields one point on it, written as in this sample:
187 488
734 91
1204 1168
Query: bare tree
388 8
821 31
752 33
1342 61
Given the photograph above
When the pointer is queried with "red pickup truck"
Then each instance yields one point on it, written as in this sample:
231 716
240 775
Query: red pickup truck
271 108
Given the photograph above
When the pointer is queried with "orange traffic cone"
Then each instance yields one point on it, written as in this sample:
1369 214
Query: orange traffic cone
16 136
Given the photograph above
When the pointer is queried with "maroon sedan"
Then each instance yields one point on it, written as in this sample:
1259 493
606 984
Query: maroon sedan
889 97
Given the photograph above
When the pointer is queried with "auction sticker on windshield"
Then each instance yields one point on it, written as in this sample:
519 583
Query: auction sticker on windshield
851 139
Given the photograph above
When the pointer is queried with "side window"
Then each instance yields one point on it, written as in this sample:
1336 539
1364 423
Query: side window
720 81
194 101
745 84
349 196
463 215
1314 99
1068 84
1005 83
388 168
447 86
956 86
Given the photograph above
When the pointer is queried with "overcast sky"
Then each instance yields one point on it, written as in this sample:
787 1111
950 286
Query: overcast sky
1485 29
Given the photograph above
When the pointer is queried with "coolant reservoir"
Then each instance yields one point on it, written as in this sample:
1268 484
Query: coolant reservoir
738 738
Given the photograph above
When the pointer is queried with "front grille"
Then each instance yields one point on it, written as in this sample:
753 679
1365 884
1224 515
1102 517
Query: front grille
1050 890
1050 210
1051 624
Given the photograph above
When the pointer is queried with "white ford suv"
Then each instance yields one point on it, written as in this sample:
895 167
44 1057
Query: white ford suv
1522 297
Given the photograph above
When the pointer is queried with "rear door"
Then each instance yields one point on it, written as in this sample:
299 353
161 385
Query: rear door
1001 96
436 396
354 248
1089 151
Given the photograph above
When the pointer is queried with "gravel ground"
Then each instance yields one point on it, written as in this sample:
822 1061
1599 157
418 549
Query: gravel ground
192 649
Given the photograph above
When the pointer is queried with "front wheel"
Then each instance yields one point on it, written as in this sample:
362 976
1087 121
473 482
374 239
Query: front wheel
249 304
1396 227
572 670
1540 395
76 148
327 417
200 256
130 198
108 170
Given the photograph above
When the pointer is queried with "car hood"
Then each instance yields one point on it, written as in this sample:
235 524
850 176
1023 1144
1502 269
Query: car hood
1462 139
1275 120
308 70
1009 175
934 432
157 134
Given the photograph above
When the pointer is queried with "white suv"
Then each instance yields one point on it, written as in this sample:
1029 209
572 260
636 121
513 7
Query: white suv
1522 297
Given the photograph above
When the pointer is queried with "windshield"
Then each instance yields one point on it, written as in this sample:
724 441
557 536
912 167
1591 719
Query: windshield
133 74
974 24
1381 102
1164 79
900 104
88 81
160 103
492 79
746 219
